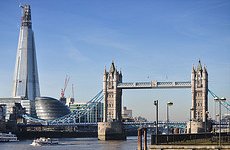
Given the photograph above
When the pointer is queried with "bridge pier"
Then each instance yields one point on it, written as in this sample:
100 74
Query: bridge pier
111 131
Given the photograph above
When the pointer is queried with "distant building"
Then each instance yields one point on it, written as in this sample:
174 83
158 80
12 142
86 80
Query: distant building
69 101
2 118
48 108
17 112
11 102
2 111
140 119
93 115
10 115
127 114
63 100
15 117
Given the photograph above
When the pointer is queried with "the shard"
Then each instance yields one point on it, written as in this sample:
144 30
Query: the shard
25 82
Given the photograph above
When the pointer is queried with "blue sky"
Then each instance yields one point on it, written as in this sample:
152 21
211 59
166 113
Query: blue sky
148 40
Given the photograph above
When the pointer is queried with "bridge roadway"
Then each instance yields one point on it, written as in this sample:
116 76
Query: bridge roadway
137 124
149 123
153 84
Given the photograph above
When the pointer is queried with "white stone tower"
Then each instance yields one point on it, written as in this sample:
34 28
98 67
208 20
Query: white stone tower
111 128
199 110
112 95
25 82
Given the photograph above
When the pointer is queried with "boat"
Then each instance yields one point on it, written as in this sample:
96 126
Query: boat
8 137
44 141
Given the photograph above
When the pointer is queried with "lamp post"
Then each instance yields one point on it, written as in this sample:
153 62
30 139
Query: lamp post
217 117
219 100
228 119
167 115
156 104
228 126
190 120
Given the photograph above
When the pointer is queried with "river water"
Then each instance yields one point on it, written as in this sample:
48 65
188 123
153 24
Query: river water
74 144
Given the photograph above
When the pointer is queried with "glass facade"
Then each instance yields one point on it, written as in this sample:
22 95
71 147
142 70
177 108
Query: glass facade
94 114
48 108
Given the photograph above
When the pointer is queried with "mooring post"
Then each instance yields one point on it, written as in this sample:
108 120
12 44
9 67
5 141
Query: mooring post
145 138
139 145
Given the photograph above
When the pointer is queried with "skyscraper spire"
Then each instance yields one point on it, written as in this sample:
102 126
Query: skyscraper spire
25 82
26 17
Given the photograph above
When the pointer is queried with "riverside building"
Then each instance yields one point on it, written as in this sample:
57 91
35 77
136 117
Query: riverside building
26 90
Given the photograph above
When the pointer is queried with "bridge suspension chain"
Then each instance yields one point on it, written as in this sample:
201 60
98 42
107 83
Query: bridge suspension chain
225 103
72 117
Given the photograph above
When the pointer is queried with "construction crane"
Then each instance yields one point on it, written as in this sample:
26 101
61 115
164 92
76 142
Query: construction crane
63 98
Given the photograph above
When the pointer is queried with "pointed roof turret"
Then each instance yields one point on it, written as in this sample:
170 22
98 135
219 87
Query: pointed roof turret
205 69
199 67
105 72
112 67
193 69
120 76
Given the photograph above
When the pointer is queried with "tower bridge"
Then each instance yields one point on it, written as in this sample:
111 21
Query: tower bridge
112 128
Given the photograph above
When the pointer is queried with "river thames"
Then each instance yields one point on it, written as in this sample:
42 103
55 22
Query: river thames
75 144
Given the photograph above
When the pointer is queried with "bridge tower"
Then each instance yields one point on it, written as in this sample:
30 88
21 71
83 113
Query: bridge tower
111 128
112 95
199 110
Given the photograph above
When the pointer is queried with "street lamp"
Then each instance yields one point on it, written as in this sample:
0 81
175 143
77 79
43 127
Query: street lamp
219 100
156 104
228 126
190 120
217 117
167 115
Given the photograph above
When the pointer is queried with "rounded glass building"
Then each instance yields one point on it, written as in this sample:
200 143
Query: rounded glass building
48 108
